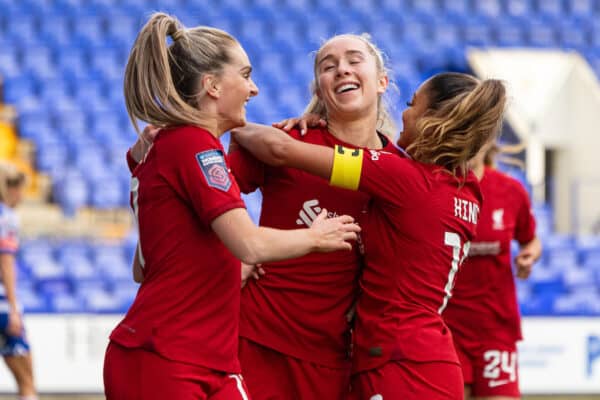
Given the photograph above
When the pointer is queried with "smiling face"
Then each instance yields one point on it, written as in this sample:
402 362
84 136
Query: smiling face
349 81
235 88
416 109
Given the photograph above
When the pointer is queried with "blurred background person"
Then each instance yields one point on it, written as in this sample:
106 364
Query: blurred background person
483 313
14 348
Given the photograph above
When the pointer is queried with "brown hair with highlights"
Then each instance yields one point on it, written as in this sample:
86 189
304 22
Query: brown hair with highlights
463 114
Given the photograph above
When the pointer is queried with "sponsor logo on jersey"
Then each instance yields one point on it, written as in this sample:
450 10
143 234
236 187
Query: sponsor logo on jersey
310 211
376 397
213 167
484 249
498 219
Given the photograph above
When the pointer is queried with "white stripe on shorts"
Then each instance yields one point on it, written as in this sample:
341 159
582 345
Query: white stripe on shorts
240 386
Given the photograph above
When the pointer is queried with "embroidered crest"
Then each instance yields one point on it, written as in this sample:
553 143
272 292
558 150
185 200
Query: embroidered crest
214 169
498 219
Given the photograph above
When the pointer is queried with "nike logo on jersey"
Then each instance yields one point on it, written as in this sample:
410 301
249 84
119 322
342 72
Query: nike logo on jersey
310 211
493 384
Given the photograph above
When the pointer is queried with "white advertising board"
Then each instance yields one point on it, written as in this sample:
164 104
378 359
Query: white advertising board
558 355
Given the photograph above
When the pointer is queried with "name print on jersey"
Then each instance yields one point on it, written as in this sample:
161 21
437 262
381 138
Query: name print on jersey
310 211
466 210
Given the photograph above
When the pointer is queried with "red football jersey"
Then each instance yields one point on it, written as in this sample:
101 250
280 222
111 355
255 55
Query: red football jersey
416 234
484 304
299 307
187 308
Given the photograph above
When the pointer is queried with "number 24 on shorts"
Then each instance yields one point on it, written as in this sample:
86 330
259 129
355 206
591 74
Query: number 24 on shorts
497 362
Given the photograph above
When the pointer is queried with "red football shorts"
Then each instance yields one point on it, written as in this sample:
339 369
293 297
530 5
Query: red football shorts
490 369
409 380
137 374
274 376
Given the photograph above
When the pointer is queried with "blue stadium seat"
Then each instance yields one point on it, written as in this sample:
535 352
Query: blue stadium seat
9 63
519 8
108 193
32 302
509 32
477 31
577 278
488 8
65 303
541 34
430 7
553 9
123 29
72 62
88 30
125 290
56 30
586 302
546 279
573 34
582 8
38 61
456 8
71 192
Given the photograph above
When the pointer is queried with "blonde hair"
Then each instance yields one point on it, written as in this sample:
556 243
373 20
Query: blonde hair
162 81
463 114
385 122
10 177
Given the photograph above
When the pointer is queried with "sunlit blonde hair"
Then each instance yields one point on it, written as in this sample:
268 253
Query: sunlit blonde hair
162 82
385 123
10 177
463 114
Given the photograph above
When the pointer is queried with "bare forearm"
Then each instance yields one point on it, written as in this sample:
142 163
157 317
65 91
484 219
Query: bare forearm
7 268
276 148
273 245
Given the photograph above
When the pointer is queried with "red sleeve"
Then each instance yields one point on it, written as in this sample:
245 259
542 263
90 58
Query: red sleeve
200 174
249 172
525 223
131 163
375 180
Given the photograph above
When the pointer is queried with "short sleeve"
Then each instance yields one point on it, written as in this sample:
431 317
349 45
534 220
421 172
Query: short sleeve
9 235
525 222
197 168
382 176
249 172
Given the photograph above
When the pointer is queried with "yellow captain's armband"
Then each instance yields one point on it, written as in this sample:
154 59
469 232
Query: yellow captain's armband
347 167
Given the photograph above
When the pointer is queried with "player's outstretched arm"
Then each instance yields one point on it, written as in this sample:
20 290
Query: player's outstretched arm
529 253
254 245
274 147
